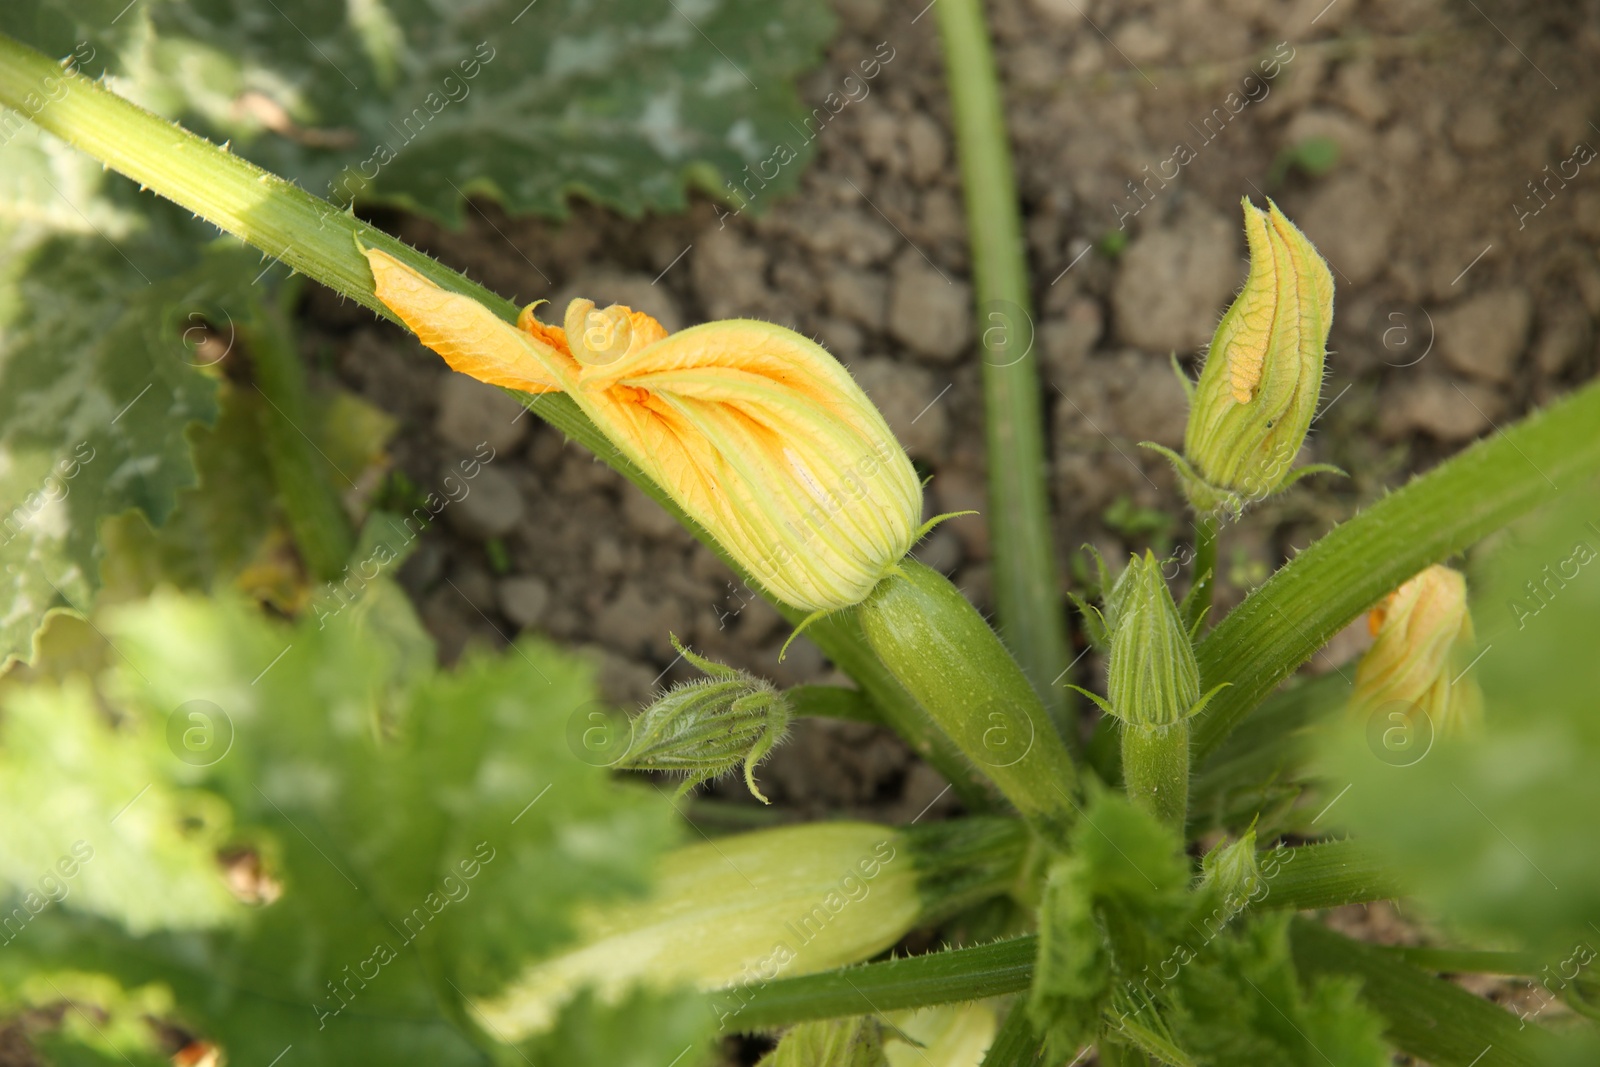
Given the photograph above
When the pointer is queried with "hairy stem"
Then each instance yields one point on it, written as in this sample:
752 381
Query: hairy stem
1027 597
916 981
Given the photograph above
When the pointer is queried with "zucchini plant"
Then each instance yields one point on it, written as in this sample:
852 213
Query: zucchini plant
269 823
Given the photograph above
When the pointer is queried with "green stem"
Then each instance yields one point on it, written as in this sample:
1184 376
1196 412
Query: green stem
1155 770
913 982
1327 875
315 238
948 658
321 531
1320 878
1468 961
1428 1017
832 702
1027 596
1324 588
1017 1044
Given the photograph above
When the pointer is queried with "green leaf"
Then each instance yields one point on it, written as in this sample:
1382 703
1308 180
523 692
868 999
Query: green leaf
418 103
1129 954
414 837
1241 1001
96 380
1108 908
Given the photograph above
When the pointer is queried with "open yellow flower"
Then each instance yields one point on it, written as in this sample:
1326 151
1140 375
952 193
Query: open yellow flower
754 431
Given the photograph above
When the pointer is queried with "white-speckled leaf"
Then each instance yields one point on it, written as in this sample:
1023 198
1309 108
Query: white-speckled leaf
96 382
416 102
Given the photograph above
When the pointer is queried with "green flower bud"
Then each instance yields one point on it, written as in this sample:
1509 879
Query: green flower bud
705 729
1258 391
1231 871
1153 679
1152 687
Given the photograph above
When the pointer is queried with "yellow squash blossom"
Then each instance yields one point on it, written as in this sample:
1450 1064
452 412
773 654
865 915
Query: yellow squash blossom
755 432
1423 646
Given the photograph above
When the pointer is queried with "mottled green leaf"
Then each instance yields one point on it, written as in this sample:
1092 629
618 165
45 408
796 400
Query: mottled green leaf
417 102
97 383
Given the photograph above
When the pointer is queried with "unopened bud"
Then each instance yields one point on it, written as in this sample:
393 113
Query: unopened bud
1231 871
1153 679
1422 650
1152 688
705 729
1249 413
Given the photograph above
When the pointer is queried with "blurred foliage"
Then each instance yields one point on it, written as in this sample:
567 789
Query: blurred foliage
852 1042
421 102
95 381
1314 156
304 832
1132 953
1497 831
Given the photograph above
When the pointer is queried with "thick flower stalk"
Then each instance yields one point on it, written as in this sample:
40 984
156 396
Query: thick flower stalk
754 431
937 645
1258 391
1152 689
1418 663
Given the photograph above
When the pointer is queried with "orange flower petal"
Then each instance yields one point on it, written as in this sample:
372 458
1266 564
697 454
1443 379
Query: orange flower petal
470 337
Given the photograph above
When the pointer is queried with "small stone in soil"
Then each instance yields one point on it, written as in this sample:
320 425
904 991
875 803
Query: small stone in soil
471 414
523 599
1452 411
491 508
1352 225
1484 335
1173 284
930 312
908 396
